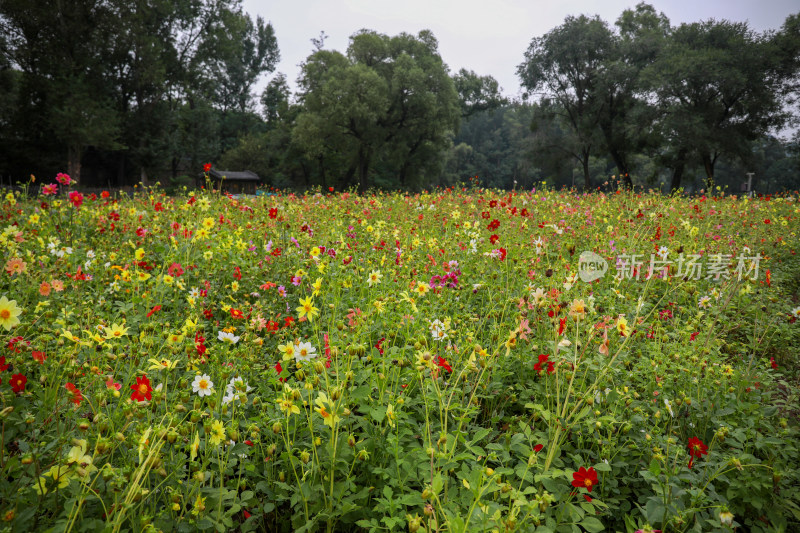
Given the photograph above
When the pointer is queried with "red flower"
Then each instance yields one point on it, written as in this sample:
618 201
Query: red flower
538 448
442 363
76 198
494 238
585 478
503 253
206 167
288 321
378 346
279 369
199 344
544 364
485 214
273 212
773 363
153 310
208 313
175 270
237 273
142 390
18 382
493 225
39 356
696 450
3 364
769 278
105 194
77 397
236 313
694 335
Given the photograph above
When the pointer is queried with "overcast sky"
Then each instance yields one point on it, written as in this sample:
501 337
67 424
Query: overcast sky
486 36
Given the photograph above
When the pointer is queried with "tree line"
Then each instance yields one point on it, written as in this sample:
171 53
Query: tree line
118 92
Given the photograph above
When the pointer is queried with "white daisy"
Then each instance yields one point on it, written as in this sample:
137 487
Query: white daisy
202 385
230 338
438 330
304 352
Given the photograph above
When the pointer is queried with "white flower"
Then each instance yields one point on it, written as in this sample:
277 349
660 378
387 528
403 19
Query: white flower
194 293
374 277
304 352
438 330
703 303
224 336
663 252
202 385
236 386
796 312
90 254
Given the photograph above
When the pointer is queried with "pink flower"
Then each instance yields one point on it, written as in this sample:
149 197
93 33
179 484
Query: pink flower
63 179
50 189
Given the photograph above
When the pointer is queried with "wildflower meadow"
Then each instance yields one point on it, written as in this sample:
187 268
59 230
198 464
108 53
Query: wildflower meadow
454 361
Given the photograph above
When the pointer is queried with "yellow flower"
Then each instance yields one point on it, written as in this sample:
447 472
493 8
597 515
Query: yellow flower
286 404
199 505
163 364
208 223
139 254
115 331
307 309
422 288
287 350
622 326
194 447
390 415
217 433
317 286
578 309
235 286
9 313
142 276
323 404
168 279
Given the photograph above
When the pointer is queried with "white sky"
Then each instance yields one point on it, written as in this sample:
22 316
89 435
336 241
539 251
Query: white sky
489 36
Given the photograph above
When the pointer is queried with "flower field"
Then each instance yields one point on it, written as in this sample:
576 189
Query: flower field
463 360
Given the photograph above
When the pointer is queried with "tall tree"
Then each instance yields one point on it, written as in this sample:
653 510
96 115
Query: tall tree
477 93
567 66
718 88
389 101
626 117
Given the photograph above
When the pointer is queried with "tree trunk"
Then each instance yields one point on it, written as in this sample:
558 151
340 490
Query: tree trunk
677 172
622 168
74 154
363 169
708 165
587 181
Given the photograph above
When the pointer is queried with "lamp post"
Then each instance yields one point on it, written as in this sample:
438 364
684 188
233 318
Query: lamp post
750 183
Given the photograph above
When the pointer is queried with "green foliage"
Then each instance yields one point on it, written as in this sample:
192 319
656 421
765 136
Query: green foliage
388 105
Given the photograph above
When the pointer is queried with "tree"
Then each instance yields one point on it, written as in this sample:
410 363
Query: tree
477 93
275 99
238 52
719 88
567 65
625 118
389 103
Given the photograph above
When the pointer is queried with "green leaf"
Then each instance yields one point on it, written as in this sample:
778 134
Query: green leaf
592 524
